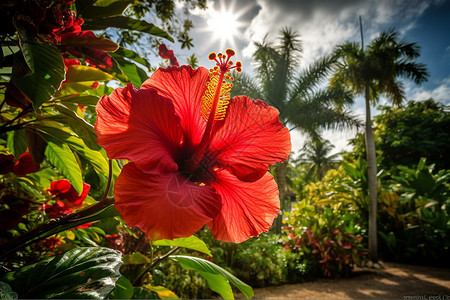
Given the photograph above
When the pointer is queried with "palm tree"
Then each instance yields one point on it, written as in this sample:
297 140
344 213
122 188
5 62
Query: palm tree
316 153
299 96
375 71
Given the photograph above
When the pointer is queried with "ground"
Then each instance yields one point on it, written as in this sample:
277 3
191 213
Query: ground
396 281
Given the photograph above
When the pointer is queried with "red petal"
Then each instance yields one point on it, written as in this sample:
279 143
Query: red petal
72 199
185 87
139 125
59 186
251 138
24 165
165 206
248 207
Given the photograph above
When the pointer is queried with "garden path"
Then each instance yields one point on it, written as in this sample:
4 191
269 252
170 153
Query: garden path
396 281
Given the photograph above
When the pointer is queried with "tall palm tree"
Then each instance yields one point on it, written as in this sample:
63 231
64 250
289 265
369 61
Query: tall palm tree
372 72
300 97
316 153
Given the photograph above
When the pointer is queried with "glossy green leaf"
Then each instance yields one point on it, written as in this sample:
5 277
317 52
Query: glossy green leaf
162 292
17 142
39 72
115 8
84 129
95 158
88 272
136 258
135 74
191 242
60 155
77 73
124 289
72 88
126 23
97 43
214 275
90 100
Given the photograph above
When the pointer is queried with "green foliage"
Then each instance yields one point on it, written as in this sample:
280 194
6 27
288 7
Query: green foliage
328 239
78 273
419 129
416 226
38 71
217 278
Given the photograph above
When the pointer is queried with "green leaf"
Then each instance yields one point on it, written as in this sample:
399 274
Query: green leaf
126 23
39 72
72 88
60 155
76 73
90 100
163 293
123 290
78 273
96 43
17 142
109 9
135 74
144 293
6 292
215 276
127 53
80 126
191 242
136 258
95 158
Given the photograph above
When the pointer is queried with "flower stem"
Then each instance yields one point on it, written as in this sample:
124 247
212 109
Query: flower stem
151 265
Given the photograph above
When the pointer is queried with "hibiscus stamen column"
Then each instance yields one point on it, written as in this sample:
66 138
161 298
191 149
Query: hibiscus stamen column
215 101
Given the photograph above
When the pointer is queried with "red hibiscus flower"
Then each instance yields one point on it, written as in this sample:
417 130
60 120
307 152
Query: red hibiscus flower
66 193
168 54
198 157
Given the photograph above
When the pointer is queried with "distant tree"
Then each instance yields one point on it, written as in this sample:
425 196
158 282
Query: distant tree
316 153
405 134
372 72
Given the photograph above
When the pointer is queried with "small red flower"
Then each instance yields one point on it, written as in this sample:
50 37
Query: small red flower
23 166
66 193
168 54
198 157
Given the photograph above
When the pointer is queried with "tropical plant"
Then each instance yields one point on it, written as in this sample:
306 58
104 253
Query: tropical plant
316 153
375 71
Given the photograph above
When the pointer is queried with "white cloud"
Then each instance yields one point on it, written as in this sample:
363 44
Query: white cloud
441 93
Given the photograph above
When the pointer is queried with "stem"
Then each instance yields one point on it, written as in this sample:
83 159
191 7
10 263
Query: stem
38 233
156 261
23 112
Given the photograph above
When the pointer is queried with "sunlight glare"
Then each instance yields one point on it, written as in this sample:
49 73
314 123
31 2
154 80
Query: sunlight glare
223 24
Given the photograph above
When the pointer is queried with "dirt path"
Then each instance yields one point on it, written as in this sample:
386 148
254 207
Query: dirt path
396 281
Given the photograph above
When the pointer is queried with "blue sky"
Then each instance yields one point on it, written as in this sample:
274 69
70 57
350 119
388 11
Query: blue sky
322 24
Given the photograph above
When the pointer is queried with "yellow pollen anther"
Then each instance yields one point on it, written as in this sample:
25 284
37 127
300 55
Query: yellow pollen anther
212 56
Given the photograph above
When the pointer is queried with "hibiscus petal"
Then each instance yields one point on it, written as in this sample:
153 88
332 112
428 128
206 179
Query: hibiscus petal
250 139
185 87
248 208
164 206
141 126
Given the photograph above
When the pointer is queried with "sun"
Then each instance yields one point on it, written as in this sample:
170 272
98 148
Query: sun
224 24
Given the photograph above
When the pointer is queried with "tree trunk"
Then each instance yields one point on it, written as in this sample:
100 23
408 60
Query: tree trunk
372 180
281 172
